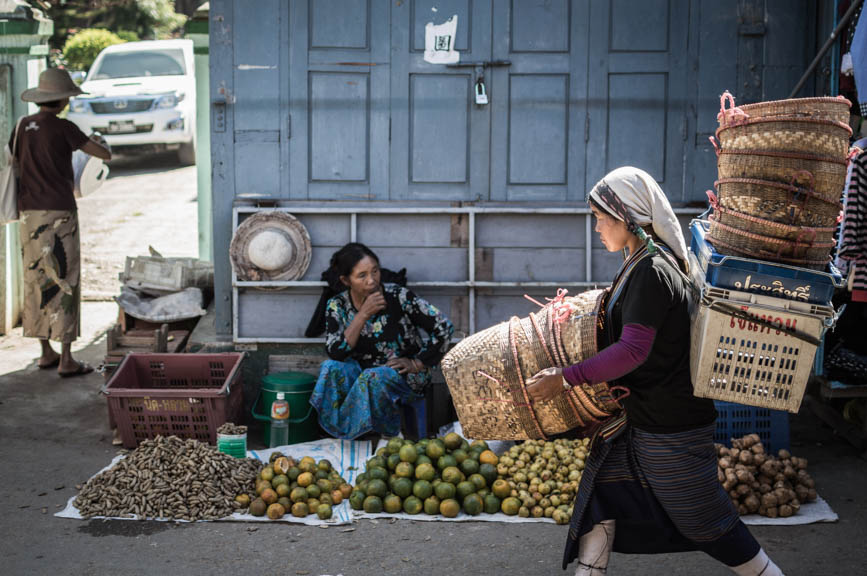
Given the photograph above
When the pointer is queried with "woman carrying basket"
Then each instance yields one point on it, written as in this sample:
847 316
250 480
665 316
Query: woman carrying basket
650 484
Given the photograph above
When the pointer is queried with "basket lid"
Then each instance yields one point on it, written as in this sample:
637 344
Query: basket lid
289 381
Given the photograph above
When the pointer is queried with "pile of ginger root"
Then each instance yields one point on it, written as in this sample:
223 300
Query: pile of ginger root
761 483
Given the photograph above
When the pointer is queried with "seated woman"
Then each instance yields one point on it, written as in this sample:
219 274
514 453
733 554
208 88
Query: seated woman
378 356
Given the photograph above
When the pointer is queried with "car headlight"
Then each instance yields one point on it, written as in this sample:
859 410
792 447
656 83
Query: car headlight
78 106
169 100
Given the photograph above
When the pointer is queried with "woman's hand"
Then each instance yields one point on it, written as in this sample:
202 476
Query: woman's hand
545 385
405 365
375 302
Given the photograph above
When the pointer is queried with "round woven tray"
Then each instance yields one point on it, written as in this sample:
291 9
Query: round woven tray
486 372
777 202
807 135
824 108
827 176
733 241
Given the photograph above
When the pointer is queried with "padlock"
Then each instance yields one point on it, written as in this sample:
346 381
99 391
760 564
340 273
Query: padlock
481 92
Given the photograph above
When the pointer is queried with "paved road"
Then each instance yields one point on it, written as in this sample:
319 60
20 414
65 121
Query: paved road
146 201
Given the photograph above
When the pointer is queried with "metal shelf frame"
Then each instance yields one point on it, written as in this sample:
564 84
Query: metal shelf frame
471 284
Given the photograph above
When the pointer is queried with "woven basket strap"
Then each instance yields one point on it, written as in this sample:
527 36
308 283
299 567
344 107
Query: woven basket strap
795 190
514 349
798 261
779 119
771 224
790 155
771 240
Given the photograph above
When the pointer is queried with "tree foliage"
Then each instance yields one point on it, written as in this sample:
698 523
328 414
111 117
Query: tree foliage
82 49
145 19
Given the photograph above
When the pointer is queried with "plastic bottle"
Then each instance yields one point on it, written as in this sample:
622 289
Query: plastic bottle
279 421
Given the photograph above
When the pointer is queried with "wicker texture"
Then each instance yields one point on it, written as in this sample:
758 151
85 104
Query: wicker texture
486 374
827 175
777 202
823 108
823 137
734 241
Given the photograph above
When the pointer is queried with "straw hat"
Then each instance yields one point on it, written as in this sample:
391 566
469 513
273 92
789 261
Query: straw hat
270 246
54 84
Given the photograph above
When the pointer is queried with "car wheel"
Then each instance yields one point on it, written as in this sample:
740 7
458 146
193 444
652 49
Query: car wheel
187 154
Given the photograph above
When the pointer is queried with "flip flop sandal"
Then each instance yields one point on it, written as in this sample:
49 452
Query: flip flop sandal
83 368
51 364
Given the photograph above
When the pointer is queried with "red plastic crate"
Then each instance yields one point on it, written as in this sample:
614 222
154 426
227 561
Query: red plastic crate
185 395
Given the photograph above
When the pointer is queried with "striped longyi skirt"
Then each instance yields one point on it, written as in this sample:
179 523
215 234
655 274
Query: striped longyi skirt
663 492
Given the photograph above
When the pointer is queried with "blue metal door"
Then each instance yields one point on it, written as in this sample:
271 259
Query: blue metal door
338 100
637 89
538 102
440 140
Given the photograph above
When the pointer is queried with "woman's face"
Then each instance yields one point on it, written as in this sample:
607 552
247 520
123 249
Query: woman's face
613 232
364 278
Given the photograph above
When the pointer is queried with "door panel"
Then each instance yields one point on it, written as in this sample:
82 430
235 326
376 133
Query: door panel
637 89
538 101
439 138
338 94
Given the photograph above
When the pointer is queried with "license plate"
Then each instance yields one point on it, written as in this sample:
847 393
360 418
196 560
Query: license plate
121 127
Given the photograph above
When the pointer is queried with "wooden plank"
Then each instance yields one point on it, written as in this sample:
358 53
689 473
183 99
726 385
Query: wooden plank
308 363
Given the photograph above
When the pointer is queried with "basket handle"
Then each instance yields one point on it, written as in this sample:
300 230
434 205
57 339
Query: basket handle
733 113
712 199
715 145
806 174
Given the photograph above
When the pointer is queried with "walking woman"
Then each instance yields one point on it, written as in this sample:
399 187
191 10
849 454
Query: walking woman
378 356
650 484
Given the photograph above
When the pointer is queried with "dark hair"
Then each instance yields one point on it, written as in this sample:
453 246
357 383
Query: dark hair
345 259
52 103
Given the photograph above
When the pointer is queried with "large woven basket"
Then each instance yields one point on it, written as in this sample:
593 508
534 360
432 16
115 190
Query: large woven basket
827 176
486 372
823 108
805 135
734 241
777 202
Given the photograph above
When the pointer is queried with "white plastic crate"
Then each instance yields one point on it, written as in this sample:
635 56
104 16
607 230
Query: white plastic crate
746 349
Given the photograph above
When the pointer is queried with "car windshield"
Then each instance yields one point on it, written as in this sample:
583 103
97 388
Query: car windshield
136 64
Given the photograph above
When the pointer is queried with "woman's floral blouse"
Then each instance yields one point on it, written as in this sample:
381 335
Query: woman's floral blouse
392 333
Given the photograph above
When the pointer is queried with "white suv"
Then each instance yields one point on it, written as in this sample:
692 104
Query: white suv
141 95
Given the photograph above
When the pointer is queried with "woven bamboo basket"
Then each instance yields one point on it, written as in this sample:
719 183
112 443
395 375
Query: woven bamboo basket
734 241
777 202
823 108
486 372
826 176
805 135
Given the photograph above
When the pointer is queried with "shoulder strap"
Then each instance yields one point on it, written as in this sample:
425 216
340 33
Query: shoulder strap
15 138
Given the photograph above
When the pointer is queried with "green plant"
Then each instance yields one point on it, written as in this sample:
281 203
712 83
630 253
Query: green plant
128 35
81 49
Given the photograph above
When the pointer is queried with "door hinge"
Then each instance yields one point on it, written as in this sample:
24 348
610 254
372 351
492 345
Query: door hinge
288 126
587 128
684 127
389 129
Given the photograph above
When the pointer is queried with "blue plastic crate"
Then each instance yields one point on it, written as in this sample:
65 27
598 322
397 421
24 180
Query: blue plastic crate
738 420
760 277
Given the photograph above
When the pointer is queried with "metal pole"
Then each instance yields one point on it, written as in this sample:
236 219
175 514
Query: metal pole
844 21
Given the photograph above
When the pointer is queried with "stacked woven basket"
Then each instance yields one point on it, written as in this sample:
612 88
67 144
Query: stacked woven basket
782 168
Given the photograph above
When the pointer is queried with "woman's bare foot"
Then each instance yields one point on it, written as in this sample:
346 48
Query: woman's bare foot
49 358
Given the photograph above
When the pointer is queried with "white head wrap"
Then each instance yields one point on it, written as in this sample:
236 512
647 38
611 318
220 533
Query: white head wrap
646 204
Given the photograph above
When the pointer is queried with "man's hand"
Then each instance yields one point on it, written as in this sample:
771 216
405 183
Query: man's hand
405 365
375 302
545 385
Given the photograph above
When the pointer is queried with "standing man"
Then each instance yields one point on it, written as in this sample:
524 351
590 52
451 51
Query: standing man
49 220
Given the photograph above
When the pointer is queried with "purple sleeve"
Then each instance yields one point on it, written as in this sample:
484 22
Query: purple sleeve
617 360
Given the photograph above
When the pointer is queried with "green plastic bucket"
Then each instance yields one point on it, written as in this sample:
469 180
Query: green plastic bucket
297 386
